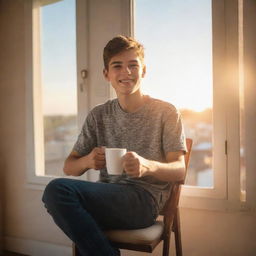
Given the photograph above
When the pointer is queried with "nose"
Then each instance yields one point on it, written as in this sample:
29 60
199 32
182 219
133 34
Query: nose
126 70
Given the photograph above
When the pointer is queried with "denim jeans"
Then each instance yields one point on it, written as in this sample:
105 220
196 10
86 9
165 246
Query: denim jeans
84 209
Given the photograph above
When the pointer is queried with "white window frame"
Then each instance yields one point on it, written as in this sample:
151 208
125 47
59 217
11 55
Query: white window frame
249 79
223 103
226 193
35 135
226 116
227 64
88 31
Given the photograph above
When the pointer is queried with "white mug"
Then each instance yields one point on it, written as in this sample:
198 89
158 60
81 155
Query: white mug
114 160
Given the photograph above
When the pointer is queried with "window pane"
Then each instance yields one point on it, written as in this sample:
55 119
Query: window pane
177 35
58 55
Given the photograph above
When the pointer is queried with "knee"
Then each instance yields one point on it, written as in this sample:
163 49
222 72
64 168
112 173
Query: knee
53 190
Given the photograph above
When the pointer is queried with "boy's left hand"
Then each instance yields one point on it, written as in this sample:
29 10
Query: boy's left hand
135 165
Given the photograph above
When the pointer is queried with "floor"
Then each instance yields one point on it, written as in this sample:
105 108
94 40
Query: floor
5 253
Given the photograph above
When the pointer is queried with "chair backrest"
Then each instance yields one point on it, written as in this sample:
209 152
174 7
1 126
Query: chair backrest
173 199
189 143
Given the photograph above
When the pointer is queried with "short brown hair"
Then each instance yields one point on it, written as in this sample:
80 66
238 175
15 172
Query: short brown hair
119 44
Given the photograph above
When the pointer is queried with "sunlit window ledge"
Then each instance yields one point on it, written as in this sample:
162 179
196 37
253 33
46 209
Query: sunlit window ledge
39 182
214 204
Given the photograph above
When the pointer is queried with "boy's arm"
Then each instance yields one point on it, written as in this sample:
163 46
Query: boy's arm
173 170
76 164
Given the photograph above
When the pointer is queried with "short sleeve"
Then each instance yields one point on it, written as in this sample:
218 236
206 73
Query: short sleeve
173 132
86 140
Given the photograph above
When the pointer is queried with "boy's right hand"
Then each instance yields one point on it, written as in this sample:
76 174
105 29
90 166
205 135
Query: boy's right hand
96 158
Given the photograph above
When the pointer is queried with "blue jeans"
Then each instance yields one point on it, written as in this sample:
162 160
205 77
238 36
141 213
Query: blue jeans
84 209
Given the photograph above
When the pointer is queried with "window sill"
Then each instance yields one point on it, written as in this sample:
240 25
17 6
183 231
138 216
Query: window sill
214 204
39 182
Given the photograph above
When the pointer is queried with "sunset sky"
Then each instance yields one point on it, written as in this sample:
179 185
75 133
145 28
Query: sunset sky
177 36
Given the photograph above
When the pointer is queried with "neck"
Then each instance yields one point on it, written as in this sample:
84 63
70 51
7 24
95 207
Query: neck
132 103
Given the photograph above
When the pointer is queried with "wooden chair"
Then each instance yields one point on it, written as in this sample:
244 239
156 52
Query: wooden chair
146 239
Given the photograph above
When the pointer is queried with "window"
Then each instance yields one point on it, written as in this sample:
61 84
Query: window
58 81
190 56
58 104
222 113
89 65
179 70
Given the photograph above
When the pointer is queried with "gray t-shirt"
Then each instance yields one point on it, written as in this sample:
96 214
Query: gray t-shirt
152 131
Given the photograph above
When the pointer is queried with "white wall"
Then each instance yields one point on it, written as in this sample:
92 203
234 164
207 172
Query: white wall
27 227
25 218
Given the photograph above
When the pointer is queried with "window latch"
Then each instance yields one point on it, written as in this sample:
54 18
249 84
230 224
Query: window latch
226 147
84 75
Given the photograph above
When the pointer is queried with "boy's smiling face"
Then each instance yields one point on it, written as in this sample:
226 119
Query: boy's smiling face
125 71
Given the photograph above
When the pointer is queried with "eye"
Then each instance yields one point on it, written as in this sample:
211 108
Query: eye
117 66
133 66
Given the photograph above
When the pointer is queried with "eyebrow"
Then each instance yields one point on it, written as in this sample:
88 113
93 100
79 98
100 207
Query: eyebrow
120 62
116 62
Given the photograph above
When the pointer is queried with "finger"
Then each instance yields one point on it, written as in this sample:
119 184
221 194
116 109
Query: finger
100 165
129 155
100 157
130 169
100 162
131 162
128 165
132 173
99 150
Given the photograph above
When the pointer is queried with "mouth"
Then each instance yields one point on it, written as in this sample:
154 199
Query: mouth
125 81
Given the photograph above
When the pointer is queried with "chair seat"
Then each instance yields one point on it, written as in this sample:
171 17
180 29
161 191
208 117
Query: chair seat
137 236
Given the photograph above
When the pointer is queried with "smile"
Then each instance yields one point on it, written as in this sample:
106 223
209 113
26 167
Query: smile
125 80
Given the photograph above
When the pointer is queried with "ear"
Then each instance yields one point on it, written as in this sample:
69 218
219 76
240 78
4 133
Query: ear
144 71
105 74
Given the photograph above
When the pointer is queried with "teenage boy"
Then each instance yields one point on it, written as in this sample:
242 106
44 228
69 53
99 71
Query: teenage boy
150 130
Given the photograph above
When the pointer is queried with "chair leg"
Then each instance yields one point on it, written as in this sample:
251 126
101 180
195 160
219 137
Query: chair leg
177 233
74 250
166 244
